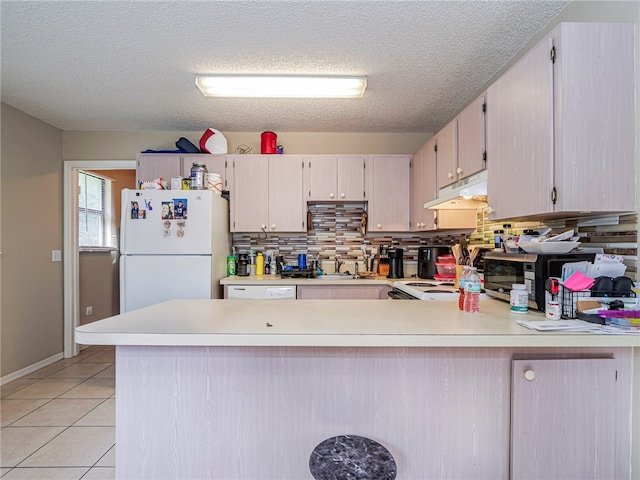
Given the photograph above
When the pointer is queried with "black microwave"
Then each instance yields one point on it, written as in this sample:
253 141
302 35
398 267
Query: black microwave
502 270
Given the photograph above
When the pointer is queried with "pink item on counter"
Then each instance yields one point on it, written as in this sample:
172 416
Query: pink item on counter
578 281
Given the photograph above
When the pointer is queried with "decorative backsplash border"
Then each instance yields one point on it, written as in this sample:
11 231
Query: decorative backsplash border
335 231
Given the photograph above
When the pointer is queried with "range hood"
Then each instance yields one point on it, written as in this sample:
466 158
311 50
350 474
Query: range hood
467 194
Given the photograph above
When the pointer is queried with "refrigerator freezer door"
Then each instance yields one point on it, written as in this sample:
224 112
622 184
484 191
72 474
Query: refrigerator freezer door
168 222
147 279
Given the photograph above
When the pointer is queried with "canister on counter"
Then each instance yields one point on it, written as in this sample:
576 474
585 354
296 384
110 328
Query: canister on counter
519 298
302 261
259 264
231 266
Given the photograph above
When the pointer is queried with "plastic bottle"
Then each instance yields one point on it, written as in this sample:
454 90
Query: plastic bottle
463 278
260 264
231 266
519 298
198 176
472 287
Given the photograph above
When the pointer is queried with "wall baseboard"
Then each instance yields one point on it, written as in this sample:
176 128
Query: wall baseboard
31 368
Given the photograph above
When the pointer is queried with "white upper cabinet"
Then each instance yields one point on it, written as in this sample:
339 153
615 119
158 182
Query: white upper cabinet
423 187
150 166
460 145
561 126
249 200
388 191
267 194
286 205
334 178
471 138
446 154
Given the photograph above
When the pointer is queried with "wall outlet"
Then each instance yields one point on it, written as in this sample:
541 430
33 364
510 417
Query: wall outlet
89 311
56 255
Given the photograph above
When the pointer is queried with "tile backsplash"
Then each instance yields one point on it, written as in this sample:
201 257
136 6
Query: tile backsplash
335 231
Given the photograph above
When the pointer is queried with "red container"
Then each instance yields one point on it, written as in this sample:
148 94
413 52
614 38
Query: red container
448 269
268 144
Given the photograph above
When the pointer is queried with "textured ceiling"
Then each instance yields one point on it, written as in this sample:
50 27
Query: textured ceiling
131 65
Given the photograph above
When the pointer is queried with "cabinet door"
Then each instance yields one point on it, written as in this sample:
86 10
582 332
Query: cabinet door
389 193
471 139
351 178
594 117
563 423
150 166
446 154
250 198
423 187
214 163
519 137
322 176
286 212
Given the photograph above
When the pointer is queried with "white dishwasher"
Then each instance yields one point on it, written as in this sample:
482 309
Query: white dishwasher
261 292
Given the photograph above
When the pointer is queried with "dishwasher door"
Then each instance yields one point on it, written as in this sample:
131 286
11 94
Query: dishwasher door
261 292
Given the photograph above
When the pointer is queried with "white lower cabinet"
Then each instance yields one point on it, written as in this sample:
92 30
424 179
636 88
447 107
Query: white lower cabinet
563 419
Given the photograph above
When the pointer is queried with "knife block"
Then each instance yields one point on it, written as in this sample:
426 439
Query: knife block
383 266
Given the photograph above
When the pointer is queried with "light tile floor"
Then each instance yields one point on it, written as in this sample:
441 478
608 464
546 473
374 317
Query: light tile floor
59 422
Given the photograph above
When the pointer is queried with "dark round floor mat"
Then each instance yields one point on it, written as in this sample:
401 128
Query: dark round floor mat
350 457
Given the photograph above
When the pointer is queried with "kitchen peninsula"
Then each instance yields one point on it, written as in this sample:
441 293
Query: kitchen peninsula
246 390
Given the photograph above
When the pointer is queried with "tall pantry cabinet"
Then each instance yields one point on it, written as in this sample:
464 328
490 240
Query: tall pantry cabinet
561 126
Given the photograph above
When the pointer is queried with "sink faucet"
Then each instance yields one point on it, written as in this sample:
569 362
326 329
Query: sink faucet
356 275
338 264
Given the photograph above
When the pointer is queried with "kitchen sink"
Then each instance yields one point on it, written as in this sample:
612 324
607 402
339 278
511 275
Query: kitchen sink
339 276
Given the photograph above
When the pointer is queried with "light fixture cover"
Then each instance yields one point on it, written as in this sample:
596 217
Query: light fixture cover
281 86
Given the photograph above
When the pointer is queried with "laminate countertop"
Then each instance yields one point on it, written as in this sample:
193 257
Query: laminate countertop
332 323
320 280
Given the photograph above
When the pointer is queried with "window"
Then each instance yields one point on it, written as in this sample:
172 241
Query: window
95 215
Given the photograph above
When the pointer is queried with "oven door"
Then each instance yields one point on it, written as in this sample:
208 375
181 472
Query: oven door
399 295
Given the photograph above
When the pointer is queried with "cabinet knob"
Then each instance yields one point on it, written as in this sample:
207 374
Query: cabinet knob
529 375
342 195
490 210
273 226
379 225
331 195
450 175
263 226
459 171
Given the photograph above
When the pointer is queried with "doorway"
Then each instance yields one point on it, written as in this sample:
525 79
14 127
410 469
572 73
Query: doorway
71 257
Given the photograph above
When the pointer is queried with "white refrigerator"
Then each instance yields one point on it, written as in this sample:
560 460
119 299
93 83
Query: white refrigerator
173 245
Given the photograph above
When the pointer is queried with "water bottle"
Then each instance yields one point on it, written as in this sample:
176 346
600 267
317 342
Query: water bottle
463 278
472 289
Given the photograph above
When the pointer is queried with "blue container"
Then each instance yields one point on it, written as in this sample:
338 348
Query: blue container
302 261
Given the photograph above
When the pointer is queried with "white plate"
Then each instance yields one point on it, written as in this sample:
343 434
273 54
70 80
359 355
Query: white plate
548 247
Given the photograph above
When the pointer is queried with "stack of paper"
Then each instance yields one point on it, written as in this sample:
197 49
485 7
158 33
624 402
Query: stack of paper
578 326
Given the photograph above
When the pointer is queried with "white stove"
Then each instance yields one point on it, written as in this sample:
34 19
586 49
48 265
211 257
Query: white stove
422 290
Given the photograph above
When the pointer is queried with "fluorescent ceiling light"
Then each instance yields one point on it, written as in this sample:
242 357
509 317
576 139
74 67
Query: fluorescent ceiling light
281 86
